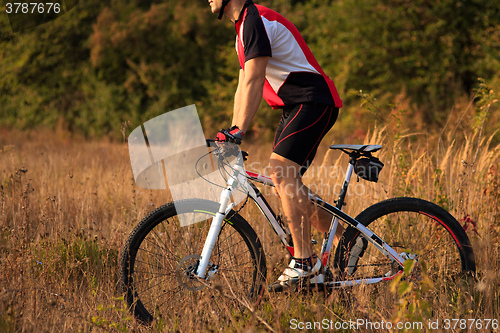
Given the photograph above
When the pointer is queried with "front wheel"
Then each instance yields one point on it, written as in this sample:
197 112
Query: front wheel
420 229
159 261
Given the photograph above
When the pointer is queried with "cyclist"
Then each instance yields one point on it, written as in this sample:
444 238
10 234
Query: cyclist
277 65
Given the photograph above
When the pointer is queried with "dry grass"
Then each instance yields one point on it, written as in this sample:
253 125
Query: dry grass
67 205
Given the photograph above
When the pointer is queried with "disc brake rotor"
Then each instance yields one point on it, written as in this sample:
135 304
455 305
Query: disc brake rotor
186 273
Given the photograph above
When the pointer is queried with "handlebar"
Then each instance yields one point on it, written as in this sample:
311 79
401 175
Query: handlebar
226 149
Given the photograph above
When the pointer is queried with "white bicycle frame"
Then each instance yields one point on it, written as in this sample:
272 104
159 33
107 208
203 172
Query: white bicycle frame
239 177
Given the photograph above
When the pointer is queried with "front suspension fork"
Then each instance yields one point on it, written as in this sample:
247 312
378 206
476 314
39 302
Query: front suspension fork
214 231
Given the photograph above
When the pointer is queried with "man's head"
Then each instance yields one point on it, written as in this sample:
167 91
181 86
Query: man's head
218 6
230 8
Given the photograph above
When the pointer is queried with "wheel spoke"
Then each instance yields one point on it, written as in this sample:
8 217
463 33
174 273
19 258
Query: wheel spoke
413 226
164 257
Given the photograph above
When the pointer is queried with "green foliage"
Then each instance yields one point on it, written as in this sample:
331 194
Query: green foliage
429 50
76 259
43 69
160 57
487 101
111 311
106 62
411 287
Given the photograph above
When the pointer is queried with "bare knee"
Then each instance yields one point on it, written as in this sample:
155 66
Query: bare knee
284 173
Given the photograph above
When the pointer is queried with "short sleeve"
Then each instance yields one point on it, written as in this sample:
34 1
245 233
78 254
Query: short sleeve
255 38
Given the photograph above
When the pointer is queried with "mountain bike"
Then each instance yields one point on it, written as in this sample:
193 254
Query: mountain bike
168 271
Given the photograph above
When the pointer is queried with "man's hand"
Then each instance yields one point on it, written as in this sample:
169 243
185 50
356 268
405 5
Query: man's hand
233 135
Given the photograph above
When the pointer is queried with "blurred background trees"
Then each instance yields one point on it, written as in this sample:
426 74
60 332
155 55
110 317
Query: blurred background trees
106 62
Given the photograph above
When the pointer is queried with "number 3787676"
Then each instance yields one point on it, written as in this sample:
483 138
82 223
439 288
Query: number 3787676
32 7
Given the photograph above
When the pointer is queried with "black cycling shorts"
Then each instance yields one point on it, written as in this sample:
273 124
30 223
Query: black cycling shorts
301 129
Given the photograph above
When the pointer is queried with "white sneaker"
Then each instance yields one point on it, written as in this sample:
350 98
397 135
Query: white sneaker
298 274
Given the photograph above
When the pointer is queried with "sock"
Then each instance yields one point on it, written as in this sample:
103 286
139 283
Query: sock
304 263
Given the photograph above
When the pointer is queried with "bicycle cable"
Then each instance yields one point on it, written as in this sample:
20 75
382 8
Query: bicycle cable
222 171
222 163
227 164
199 174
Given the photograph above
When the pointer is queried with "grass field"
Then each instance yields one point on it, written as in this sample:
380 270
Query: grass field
67 206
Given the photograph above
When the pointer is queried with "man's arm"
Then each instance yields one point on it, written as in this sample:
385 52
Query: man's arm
237 96
249 92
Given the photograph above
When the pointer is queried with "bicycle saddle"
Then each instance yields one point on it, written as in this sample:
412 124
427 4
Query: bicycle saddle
358 148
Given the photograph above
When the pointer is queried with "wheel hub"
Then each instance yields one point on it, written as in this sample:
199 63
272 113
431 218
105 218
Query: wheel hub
185 273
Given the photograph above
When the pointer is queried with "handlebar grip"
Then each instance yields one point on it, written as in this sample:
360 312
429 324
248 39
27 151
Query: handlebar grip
223 149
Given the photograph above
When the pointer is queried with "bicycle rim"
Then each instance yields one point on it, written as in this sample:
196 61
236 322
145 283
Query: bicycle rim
160 258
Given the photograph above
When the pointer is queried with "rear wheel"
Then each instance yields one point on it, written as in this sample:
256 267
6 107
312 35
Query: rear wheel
420 229
159 260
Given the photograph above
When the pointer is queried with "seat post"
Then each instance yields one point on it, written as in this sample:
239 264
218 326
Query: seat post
353 156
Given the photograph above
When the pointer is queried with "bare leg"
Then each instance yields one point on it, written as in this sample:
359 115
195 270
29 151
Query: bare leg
295 202
321 220
299 211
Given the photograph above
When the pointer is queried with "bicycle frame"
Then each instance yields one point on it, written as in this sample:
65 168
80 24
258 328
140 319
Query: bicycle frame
239 177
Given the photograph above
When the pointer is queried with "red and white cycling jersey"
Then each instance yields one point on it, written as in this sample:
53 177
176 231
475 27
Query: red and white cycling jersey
293 76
